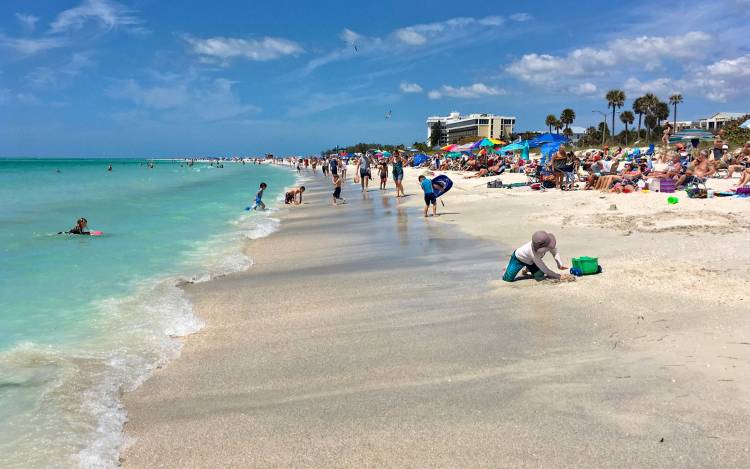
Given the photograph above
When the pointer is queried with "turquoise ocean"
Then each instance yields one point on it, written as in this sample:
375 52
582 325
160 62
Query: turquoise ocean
84 318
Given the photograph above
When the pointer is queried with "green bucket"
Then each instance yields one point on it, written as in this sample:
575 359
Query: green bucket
586 265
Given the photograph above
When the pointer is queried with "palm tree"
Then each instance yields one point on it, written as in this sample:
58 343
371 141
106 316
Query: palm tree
661 111
674 100
650 103
558 125
567 117
639 107
627 118
550 121
615 99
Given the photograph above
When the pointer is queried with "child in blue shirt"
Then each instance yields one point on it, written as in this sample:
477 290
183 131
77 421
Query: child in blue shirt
429 195
259 198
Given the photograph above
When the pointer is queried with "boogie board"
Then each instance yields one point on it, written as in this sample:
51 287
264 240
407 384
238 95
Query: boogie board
441 184
96 233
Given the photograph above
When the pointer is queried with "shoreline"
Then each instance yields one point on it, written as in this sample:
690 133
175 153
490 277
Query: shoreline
269 368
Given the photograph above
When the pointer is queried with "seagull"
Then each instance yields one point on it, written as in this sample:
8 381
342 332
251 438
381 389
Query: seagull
356 49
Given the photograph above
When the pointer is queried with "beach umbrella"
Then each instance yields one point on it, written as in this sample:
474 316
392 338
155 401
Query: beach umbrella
485 142
386 154
450 147
454 154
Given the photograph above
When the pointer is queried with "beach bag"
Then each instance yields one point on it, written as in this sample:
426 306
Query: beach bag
696 190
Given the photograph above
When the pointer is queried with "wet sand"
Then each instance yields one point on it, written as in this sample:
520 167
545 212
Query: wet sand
365 335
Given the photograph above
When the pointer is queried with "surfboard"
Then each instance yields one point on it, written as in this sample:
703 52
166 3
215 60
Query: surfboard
96 233
441 184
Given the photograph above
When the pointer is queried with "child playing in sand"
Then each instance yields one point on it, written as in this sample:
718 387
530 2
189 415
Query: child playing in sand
529 257
292 196
259 197
383 174
429 195
337 183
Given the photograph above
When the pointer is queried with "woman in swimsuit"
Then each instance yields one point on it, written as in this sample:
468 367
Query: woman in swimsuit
398 174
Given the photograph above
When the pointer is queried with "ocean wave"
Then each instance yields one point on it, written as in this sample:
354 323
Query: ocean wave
70 396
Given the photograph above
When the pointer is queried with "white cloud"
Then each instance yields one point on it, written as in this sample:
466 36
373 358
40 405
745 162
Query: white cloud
419 34
582 89
28 22
24 46
410 88
185 98
520 17
427 38
659 86
222 49
27 99
477 90
61 74
411 37
107 14
492 21
737 67
349 36
648 51
319 102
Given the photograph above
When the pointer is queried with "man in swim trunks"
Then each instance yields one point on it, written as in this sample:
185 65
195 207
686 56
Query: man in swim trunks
429 195
363 166
294 196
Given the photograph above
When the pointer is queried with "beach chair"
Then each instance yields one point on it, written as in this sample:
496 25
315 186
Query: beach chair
650 151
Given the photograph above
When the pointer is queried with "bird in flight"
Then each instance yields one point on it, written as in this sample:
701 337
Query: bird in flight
388 114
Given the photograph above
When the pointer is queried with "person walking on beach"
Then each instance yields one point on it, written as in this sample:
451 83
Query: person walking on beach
337 183
383 170
334 167
429 195
398 174
529 259
363 167
342 168
259 197
324 166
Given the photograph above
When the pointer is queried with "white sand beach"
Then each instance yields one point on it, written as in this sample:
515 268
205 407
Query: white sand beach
366 335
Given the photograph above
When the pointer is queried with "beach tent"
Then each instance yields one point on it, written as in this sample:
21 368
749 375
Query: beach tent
515 146
548 149
420 158
547 138
745 125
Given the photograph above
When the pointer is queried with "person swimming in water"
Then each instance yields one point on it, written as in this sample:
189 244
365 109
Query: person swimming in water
81 228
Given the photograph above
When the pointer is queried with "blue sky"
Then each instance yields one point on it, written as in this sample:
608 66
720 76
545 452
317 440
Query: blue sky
156 78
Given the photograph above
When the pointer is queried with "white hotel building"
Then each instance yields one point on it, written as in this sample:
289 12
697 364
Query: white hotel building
455 126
